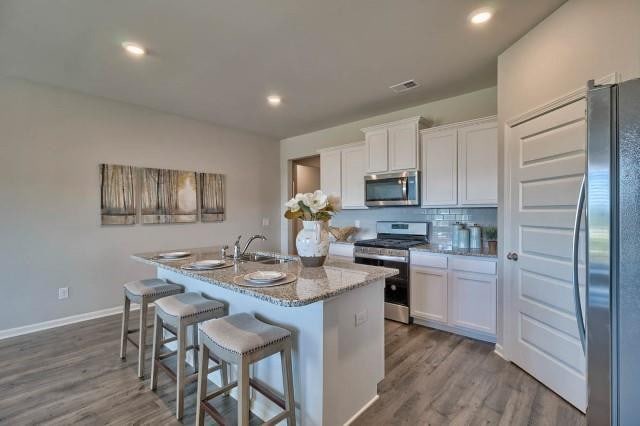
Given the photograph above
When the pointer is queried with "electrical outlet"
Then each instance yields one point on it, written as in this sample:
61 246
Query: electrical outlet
357 224
265 221
361 317
63 293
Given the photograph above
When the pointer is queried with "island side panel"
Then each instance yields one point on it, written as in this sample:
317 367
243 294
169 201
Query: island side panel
306 325
353 352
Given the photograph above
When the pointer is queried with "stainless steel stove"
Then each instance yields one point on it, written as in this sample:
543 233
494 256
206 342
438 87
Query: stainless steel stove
391 249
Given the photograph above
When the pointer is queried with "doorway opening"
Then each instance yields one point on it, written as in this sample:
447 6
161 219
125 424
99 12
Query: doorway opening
305 177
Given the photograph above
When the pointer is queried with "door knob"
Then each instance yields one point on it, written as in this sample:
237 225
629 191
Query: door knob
512 256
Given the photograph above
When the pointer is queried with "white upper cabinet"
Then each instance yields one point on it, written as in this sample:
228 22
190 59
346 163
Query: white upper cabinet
377 152
440 168
403 146
331 172
353 171
478 157
393 146
342 171
460 164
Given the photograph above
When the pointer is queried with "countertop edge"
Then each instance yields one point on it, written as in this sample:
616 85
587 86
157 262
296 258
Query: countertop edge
481 254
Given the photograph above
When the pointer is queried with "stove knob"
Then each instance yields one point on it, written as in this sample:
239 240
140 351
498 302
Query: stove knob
393 287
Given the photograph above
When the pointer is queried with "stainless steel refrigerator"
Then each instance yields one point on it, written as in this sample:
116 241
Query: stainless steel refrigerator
611 195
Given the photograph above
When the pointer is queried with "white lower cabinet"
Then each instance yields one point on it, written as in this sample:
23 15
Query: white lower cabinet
428 296
454 293
473 301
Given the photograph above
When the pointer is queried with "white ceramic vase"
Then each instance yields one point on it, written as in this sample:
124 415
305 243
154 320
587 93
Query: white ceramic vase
312 243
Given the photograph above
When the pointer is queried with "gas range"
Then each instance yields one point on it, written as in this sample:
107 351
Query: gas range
391 249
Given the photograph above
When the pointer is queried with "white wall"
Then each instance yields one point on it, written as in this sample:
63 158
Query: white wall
582 40
481 103
51 142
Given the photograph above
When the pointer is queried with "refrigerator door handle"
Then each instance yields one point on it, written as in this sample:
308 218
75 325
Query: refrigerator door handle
576 286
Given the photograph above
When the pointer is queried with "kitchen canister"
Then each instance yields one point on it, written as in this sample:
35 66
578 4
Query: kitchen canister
463 238
475 237
455 233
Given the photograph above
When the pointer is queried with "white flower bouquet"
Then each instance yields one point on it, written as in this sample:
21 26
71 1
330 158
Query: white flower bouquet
311 206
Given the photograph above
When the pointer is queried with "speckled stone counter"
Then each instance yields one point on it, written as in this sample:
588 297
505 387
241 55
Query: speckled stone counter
313 284
455 252
336 317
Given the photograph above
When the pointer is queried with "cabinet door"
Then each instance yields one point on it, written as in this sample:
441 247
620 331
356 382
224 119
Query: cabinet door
330 172
403 147
353 171
377 151
440 168
473 301
428 298
478 167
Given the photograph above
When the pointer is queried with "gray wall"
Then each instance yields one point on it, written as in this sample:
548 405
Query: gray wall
50 146
481 103
582 40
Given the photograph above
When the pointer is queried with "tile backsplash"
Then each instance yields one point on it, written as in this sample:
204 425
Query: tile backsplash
441 219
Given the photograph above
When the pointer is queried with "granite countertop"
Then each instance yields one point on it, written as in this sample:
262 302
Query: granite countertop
457 252
313 284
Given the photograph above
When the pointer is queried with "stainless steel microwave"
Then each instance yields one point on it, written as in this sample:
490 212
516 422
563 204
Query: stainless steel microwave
392 189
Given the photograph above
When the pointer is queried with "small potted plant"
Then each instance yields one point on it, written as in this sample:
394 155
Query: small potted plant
314 210
491 237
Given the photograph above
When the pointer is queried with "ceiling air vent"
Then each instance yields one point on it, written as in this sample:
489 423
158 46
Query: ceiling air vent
404 86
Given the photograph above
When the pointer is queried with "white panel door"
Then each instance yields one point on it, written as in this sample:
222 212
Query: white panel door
473 301
546 165
428 298
377 151
353 171
478 164
440 168
331 172
403 146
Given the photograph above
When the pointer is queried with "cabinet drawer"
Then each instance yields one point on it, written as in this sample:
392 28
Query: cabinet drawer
344 250
472 265
429 260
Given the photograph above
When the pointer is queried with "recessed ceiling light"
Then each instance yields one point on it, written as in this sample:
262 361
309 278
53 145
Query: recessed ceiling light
134 48
274 100
480 16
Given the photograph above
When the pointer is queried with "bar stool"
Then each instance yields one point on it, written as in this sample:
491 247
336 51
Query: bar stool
142 292
242 339
176 313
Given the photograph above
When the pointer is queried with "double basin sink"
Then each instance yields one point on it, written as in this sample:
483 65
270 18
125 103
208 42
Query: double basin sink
265 259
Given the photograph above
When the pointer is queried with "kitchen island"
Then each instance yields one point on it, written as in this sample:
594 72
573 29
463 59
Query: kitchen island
335 314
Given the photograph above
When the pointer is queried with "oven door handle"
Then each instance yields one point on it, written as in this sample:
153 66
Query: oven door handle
400 259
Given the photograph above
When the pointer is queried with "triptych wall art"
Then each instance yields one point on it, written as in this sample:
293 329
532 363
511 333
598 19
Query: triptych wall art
162 195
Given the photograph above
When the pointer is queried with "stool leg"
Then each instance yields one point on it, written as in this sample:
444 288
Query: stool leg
194 339
287 376
180 370
125 327
243 392
142 338
224 375
157 344
202 383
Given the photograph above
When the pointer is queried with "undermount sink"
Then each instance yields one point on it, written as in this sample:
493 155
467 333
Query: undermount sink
264 258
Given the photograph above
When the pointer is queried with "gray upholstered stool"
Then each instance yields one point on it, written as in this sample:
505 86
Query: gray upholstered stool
142 292
241 339
176 313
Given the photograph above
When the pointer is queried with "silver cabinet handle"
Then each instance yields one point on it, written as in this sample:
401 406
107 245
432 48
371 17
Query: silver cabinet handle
576 286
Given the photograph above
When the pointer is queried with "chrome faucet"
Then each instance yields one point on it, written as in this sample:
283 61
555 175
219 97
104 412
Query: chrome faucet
236 246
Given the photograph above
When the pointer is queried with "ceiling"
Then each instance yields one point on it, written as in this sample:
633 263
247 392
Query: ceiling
332 61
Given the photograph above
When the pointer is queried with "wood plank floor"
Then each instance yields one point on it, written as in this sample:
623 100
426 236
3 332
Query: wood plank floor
73 375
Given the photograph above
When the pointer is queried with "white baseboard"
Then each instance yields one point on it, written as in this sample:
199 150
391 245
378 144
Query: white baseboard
362 410
32 328
478 335
499 350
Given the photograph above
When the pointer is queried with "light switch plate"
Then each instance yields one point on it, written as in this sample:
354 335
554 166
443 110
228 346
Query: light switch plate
265 221
361 317
63 293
